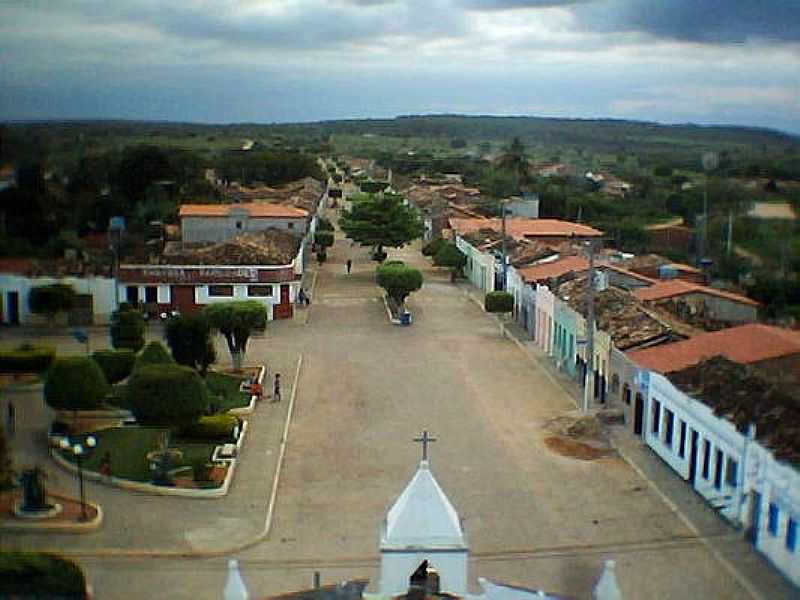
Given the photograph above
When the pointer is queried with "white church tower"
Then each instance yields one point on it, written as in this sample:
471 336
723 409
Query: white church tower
422 525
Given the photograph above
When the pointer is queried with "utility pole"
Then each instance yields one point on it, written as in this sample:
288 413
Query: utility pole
505 261
729 244
588 388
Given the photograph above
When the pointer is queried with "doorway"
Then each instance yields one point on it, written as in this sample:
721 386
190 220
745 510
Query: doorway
638 415
755 518
13 308
183 298
284 310
693 458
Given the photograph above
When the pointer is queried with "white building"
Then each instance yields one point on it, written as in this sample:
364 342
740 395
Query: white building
733 470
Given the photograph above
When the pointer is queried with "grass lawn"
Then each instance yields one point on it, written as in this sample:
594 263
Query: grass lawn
129 446
225 390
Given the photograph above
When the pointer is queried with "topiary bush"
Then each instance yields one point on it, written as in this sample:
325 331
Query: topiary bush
432 247
398 280
75 383
499 302
166 394
40 575
216 428
27 359
115 364
127 328
324 224
155 353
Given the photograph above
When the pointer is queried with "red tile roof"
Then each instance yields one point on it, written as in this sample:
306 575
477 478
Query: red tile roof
556 268
522 227
254 209
744 344
679 287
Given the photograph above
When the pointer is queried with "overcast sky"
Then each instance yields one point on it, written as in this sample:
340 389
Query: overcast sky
703 61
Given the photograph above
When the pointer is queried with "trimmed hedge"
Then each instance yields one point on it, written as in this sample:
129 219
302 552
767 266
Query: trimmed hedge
115 364
398 280
127 328
499 302
27 359
217 428
324 224
166 394
40 575
432 247
155 353
75 383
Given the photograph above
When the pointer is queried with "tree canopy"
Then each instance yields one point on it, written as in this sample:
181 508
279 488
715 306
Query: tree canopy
379 220
236 321
167 394
398 280
75 383
189 338
127 328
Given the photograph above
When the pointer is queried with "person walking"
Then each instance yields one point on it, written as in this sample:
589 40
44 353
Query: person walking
349 265
301 297
276 388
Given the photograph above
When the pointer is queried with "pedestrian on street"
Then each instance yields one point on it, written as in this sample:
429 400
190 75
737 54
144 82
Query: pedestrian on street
301 297
11 418
349 265
276 388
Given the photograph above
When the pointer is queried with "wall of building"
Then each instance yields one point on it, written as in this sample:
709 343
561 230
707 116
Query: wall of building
480 267
100 288
219 229
545 306
397 567
523 208
740 478
711 307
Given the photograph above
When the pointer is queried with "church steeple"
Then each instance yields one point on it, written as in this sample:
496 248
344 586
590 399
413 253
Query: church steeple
422 525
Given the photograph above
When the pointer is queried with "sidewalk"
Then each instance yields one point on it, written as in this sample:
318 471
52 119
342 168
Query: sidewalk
726 543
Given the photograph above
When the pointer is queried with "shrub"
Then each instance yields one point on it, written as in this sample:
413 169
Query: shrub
323 239
127 328
393 262
40 575
499 302
322 256
189 338
213 428
449 255
166 394
432 247
75 383
398 281
154 354
115 364
27 359
49 300
324 224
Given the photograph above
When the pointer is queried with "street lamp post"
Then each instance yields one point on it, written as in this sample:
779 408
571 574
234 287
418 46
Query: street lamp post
79 451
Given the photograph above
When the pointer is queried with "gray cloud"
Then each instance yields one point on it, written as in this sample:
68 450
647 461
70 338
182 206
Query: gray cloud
704 21
514 4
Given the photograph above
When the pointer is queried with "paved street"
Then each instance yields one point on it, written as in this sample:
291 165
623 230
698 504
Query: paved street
365 390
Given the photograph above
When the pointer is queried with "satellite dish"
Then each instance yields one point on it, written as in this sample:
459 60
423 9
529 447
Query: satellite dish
710 161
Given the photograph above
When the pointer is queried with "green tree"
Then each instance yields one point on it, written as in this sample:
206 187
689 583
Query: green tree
127 328
167 394
514 160
450 256
379 220
237 321
499 302
323 239
189 338
115 364
49 300
40 575
398 280
154 353
75 383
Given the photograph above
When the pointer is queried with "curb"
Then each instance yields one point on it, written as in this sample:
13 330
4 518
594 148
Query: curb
726 564
262 535
389 312
47 527
246 410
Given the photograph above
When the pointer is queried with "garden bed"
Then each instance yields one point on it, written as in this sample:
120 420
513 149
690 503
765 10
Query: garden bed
225 388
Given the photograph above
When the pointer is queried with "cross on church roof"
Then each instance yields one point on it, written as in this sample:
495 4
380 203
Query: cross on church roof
425 440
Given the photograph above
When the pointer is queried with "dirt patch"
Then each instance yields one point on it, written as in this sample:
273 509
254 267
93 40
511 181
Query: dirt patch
575 449
581 437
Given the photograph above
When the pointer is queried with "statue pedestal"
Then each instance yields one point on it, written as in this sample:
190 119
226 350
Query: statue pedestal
45 513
